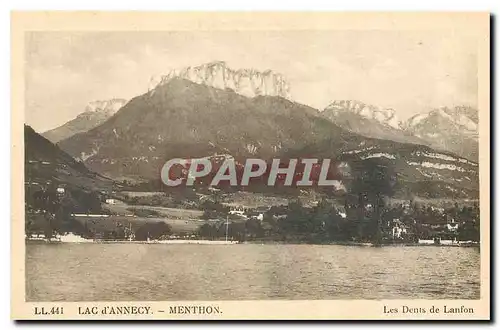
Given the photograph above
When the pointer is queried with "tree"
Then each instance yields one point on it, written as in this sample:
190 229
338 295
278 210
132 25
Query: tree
236 231
152 230
321 219
208 231
254 228
298 221
374 181
212 210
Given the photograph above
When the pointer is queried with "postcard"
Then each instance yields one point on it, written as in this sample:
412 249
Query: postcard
250 166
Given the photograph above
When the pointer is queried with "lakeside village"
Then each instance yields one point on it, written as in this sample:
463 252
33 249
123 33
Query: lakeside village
59 215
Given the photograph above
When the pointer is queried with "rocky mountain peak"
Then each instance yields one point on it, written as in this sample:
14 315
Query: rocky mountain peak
385 116
95 113
107 107
460 118
454 129
246 82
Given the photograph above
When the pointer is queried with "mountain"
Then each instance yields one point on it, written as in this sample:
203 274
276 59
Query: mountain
453 129
368 120
447 129
183 119
45 162
247 82
386 117
95 114
420 170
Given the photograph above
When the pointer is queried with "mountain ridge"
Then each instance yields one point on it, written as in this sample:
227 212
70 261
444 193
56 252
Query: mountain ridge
247 82
95 113
454 129
386 116
45 161
448 129
183 119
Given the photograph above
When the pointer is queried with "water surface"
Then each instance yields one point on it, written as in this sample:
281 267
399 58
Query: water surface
115 272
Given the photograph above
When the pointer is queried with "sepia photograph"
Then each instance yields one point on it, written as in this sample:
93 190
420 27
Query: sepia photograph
196 168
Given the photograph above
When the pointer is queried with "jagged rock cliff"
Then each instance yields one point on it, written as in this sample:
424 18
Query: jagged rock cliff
368 120
383 116
247 82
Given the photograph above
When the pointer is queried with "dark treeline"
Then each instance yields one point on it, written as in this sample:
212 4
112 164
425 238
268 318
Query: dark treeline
362 215
50 212
365 216
351 223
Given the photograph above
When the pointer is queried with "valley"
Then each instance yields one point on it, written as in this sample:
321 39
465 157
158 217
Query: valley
107 162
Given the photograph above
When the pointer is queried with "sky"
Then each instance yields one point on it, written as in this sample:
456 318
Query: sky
410 71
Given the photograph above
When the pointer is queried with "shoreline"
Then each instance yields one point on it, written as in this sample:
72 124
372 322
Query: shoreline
221 242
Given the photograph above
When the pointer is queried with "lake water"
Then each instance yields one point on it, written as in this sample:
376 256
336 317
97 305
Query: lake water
114 272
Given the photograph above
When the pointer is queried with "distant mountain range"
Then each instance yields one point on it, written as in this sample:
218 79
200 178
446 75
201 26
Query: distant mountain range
95 113
454 129
186 119
180 118
368 120
446 129
214 111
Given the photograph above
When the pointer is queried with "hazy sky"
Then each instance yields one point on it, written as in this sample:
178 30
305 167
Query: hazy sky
409 71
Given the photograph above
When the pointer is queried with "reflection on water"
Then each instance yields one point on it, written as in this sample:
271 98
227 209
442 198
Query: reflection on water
114 272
